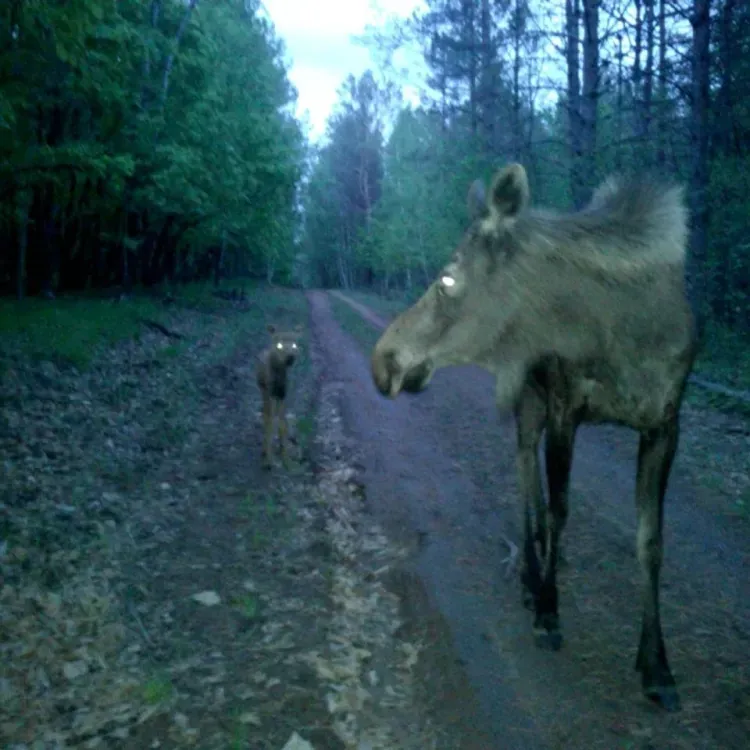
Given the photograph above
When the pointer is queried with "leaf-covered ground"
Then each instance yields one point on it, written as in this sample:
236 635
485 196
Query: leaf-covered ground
157 589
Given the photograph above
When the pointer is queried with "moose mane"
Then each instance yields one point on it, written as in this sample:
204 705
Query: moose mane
630 226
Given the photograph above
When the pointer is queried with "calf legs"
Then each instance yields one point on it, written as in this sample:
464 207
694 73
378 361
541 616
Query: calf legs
283 429
655 455
274 407
268 413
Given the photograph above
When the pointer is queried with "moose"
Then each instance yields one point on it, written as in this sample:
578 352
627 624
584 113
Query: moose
272 375
582 317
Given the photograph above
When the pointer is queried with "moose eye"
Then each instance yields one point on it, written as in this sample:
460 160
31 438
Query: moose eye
279 345
294 346
447 281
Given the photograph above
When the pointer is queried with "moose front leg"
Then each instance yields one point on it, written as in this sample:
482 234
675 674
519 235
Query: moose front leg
531 413
283 431
655 455
267 431
561 430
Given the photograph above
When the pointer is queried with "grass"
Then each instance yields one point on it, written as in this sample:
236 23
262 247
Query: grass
725 357
364 332
248 605
384 306
71 331
157 690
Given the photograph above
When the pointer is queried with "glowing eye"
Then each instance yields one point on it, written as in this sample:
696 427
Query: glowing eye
294 346
279 345
448 281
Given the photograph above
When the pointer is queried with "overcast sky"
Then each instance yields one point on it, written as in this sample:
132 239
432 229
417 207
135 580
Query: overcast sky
317 34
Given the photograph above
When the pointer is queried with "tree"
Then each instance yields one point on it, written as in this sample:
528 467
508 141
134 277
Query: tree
139 139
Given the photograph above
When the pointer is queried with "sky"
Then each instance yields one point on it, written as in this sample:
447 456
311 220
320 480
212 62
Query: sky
321 52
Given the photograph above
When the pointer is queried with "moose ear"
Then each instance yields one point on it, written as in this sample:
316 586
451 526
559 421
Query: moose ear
509 194
271 328
476 201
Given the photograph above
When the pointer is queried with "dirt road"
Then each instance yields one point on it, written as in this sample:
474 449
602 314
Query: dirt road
439 470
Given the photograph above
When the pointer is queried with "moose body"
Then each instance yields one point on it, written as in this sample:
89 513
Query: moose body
272 375
582 317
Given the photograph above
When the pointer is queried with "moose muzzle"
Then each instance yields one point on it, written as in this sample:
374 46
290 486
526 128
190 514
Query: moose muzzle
391 376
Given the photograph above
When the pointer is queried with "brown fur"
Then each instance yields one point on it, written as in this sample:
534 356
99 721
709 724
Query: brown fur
272 375
582 317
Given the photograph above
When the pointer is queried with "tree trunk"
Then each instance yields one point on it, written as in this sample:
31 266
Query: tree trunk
486 78
590 97
697 271
471 45
661 137
23 201
618 105
648 78
572 29
219 259
169 62
517 125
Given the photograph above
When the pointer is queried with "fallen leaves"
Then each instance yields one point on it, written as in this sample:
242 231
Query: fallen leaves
207 598
77 632
297 743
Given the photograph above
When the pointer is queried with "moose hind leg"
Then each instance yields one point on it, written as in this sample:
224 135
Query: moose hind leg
559 457
531 413
655 455
267 431
283 429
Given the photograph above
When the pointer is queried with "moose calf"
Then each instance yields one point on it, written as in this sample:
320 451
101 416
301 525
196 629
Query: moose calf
272 376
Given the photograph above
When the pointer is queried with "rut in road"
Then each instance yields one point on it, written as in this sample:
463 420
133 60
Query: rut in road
441 467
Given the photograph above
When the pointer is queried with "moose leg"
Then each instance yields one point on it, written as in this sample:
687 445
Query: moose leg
656 452
531 413
267 431
283 429
561 430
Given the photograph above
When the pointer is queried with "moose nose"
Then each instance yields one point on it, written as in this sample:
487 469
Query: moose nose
386 371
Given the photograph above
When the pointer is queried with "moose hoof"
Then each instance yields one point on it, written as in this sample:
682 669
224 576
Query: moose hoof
665 696
548 640
547 632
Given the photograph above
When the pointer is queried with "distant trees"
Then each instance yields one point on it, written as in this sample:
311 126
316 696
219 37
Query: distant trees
143 142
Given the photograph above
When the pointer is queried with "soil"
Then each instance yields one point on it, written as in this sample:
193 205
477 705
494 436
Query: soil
158 589
439 474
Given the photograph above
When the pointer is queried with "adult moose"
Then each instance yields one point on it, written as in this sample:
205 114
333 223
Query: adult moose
582 317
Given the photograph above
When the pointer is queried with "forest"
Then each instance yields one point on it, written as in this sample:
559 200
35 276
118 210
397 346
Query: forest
155 143
143 142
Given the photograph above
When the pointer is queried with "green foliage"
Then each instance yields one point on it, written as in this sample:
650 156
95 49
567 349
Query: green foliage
143 137
71 331
345 184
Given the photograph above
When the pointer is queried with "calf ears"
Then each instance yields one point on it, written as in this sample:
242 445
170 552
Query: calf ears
509 195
